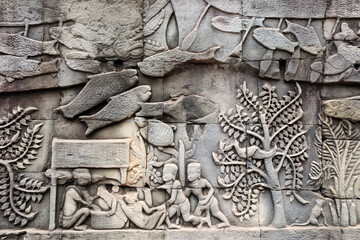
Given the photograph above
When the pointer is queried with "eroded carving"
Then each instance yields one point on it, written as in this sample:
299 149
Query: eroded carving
341 65
275 141
163 63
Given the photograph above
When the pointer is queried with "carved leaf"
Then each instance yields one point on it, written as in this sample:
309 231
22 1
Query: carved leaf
153 24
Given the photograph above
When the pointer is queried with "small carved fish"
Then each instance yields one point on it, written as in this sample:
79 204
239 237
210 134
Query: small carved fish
160 64
120 107
307 37
17 45
84 65
99 88
235 24
272 39
43 68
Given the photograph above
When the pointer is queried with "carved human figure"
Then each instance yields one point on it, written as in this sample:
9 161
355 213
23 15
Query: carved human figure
178 203
315 215
107 201
138 211
76 202
207 202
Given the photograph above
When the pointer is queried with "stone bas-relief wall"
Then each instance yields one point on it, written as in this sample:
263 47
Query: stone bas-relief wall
170 119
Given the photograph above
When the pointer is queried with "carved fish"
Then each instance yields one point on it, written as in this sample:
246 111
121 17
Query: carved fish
235 24
17 45
99 88
84 65
155 132
307 37
17 64
120 107
160 64
43 68
272 39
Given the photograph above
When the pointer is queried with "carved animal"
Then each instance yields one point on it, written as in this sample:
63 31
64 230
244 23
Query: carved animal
99 88
253 152
17 45
43 68
120 107
84 65
340 65
21 64
160 64
316 213
155 132
272 38
235 24
307 37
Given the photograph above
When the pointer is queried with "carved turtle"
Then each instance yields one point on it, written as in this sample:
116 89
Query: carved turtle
155 132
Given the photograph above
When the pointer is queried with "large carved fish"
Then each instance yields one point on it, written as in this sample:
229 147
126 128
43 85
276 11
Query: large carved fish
99 88
272 39
160 64
120 107
43 68
17 45
307 37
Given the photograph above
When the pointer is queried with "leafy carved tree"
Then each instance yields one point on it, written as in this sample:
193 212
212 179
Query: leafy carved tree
340 160
18 147
266 141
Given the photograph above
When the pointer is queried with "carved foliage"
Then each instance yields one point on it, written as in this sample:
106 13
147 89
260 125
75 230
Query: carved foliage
340 156
18 147
266 136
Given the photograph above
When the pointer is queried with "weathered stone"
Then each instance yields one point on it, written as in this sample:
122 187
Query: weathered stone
158 115
342 108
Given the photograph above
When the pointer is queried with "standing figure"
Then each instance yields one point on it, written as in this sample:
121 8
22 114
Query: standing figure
178 203
207 202
76 201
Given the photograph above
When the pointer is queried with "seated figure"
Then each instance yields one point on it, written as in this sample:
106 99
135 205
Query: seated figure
76 202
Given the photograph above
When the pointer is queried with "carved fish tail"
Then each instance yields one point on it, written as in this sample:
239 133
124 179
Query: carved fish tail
67 111
207 55
49 48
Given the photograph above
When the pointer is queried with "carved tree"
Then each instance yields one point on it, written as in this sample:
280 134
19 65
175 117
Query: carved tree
18 147
266 137
340 161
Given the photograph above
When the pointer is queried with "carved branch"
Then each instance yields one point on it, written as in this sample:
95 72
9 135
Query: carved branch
287 105
254 134
287 149
301 113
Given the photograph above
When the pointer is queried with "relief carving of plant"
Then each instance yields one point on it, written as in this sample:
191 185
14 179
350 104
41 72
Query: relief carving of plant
266 140
339 154
18 147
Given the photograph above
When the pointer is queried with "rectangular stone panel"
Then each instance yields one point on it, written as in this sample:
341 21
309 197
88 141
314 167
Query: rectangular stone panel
284 8
112 153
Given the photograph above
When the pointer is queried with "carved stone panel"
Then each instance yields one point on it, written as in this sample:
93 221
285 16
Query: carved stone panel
175 119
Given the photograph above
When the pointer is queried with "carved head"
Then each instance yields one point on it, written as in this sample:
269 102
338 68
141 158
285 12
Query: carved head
131 197
320 202
169 172
82 176
193 171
